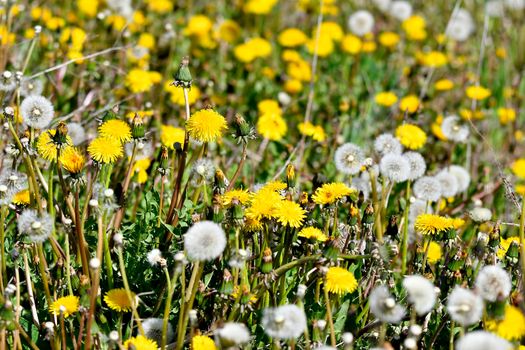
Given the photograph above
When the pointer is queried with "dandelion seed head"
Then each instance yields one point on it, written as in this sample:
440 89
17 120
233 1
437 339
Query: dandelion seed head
462 177
153 330
400 10
154 257
453 130
37 111
417 165
384 306
427 188
480 214
464 306
36 226
31 87
205 240
493 283
284 322
387 143
349 158
395 167
361 22
77 133
460 26
233 334
421 293
482 340
449 183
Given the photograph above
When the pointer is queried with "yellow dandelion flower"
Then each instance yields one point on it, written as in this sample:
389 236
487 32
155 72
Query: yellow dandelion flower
202 342
340 281
177 94
411 136
169 135
477 92
385 99
105 150
434 252
292 37
511 327
72 160
316 132
242 196
431 224
504 245
313 233
331 192
388 39
117 300
140 168
351 44
506 115
325 46
443 85
66 305
433 59
409 104
272 126
21 197
263 205
116 129
518 168
269 106
47 148
206 125
273 186
140 342
331 30
290 213
138 80
229 31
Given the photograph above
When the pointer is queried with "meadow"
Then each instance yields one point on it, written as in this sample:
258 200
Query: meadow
262 174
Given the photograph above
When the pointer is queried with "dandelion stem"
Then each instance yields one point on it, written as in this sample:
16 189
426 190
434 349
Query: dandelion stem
404 246
329 316
522 242
128 290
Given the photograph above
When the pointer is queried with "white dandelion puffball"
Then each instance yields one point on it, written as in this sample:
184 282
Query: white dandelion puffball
233 334
464 306
454 130
515 4
421 293
325 347
349 159
480 214
153 330
37 111
394 167
387 143
154 257
36 226
204 168
462 177
400 10
382 5
427 188
495 8
30 87
143 150
417 165
449 183
77 133
361 22
284 322
384 306
460 26
204 241
493 283
361 185
482 340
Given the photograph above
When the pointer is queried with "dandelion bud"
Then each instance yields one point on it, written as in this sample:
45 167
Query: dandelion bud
220 182
512 253
163 166
267 265
246 295
137 128
182 76
227 283
290 176
243 130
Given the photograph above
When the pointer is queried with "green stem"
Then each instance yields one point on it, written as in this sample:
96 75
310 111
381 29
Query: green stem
128 290
404 246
